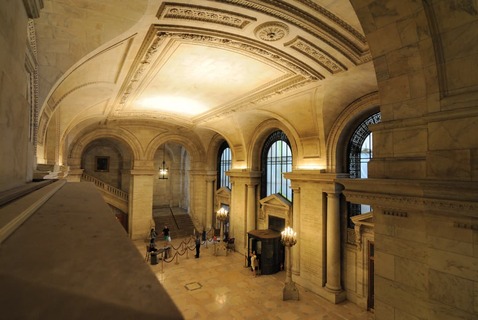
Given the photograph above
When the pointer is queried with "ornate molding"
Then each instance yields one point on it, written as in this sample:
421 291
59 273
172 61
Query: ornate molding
271 31
155 38
395 213
353 48
180 11
398 204
315 53
468 226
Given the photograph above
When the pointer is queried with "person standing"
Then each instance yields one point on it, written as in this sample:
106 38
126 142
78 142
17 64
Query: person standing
152 235
166 235
198 246
254 263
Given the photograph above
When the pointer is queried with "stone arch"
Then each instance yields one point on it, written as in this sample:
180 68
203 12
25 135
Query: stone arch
213 148
192 145
343 127
77 147
263 130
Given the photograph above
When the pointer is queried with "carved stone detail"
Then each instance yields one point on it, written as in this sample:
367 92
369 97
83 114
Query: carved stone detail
198 13
316 54
353 47
155 39
271 31
395 213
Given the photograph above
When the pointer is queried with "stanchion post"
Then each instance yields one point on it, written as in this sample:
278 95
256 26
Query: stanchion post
177 258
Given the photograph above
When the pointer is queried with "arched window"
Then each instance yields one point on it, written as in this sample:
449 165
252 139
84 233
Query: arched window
276 159
224 160
360 152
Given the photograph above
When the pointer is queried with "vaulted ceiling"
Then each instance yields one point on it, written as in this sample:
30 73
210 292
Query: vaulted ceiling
196 64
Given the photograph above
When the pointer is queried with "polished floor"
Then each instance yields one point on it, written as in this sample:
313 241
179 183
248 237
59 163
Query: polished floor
221 287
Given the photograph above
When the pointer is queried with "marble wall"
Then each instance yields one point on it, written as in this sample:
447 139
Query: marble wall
17 167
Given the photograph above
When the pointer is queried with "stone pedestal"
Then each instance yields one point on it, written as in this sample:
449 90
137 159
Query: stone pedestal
290 292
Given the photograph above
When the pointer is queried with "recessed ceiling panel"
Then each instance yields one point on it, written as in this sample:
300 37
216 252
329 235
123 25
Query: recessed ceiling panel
194 79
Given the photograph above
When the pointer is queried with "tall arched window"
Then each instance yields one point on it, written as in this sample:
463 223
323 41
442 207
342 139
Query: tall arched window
360 152
276 159
224 161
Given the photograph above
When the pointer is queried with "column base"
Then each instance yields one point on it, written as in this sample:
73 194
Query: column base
290 292
334 296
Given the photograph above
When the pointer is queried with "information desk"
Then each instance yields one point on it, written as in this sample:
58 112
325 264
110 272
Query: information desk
269 250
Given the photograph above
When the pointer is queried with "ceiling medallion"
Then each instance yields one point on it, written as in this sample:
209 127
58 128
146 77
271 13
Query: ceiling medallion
271 31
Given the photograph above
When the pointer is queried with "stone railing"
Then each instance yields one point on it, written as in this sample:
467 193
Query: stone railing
104 186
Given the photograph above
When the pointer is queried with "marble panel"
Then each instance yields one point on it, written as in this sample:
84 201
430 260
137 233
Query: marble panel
410 141
394 89
409 249
382 144
404 60
383 310
381 68
451 290
454 264
441 226
411 273
418 88
366 19
409 168
384 40
461 42
408 31
454 246
462 79
452 14
454 165
351 267
386 12
385 265
411 301
410 108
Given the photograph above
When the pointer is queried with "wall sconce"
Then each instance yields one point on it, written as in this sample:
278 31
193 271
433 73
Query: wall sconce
163 170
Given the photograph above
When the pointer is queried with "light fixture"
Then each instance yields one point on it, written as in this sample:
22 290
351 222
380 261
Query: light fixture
289 239
163 170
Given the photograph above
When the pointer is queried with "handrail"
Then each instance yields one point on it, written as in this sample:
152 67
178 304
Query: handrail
174 218
102 185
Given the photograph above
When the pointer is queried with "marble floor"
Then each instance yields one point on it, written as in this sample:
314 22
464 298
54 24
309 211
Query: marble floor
221 287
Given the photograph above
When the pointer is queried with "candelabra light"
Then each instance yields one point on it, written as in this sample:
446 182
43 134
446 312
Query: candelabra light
289 239
163 170
221 215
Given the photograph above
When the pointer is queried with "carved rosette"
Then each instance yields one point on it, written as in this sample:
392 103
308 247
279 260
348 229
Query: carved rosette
271 31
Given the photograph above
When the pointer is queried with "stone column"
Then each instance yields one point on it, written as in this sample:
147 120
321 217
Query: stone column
140 215
209 202
333 242
295 224
251 207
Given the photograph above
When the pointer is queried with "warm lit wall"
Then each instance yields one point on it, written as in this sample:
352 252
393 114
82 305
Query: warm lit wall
16 156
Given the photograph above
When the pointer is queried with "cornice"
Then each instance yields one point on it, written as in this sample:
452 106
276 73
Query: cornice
182 11
355 48
315 53
399 196
299 74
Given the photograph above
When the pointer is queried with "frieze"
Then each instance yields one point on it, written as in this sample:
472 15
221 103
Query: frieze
190 12
316 54
414 203
469 226
395 213
355 49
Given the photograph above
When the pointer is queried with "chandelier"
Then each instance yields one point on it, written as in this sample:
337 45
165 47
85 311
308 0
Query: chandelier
163 170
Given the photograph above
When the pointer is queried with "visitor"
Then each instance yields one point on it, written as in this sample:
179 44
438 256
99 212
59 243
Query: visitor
198 246
166 235
254 263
